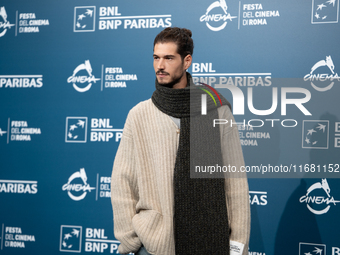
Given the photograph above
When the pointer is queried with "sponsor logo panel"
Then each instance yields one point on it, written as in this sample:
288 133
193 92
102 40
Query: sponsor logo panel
70 238
101 130
312 249
318 198
216 16
14 237
18 187
76 130
316 249
18 130
258 198
116 78
84 19
21 131
83 78
105 186
25 22
337 135
257 14
21 81
95 240
31 22
322 75
111 18
86 79
79 185
315 134
222 14
4 21
324 11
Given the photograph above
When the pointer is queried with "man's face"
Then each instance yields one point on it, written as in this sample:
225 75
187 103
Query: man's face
168 64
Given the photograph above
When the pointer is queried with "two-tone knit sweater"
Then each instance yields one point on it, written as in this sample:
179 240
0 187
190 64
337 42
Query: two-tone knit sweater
142 190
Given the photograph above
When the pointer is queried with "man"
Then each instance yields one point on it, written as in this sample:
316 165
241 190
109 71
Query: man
158 208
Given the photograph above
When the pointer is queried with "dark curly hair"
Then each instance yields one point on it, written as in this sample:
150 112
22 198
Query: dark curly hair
180 36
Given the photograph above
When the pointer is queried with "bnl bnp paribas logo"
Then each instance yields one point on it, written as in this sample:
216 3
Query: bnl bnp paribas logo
4 23
95 240
325 11
217 16
312 249
315 134
70 238
76 130
110 18
318 199
100 130
84 19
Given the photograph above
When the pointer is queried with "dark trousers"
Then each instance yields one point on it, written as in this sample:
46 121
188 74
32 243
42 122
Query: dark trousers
142 251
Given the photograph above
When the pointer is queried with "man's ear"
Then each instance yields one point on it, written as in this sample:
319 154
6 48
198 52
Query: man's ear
187 61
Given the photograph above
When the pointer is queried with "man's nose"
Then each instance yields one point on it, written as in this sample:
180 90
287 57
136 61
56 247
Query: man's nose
161 64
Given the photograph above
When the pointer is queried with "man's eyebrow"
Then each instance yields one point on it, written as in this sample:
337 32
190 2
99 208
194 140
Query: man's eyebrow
166 56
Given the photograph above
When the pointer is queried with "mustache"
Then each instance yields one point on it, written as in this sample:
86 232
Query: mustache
161 72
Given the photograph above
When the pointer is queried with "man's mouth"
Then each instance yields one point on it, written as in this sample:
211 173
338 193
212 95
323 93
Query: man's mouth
161 74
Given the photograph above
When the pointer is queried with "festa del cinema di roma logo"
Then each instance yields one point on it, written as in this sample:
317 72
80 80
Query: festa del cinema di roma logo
78 80
74 188
4 23
314 76
217 18
324 202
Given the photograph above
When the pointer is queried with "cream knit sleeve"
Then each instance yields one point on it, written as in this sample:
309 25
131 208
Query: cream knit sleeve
124 193
237 191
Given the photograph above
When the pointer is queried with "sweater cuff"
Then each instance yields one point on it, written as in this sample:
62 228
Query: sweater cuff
129 245
236 248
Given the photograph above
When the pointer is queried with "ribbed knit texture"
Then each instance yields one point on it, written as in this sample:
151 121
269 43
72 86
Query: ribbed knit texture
201 219
142 182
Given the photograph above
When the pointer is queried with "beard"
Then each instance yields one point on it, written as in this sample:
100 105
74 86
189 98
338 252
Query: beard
174 80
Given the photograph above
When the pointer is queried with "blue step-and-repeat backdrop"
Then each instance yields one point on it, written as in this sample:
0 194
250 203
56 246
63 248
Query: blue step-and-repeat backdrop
70 71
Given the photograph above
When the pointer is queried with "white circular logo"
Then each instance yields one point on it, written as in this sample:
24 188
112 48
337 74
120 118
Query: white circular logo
320 201
322 77
217 18
74 79
75 188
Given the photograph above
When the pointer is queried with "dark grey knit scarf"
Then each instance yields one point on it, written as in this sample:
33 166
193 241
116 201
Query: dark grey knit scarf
200 218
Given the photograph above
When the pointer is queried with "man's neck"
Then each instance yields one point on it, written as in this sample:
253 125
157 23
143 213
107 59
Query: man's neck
182 83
